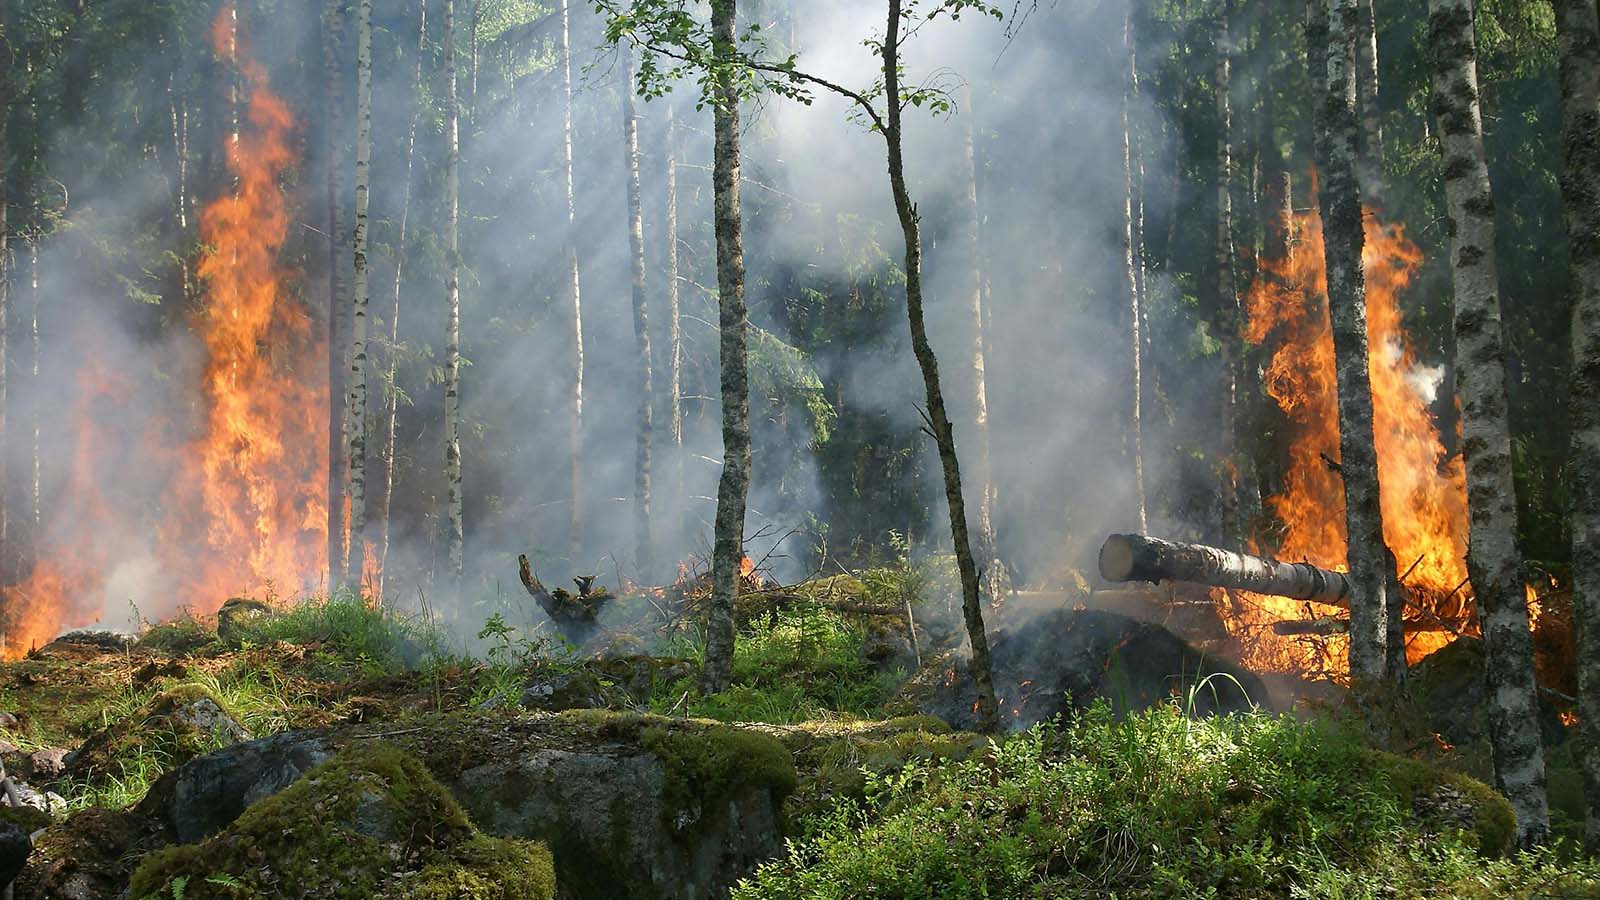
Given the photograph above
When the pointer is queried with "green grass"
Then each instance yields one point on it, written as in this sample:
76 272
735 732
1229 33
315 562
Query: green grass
373 640
801 664
1153 806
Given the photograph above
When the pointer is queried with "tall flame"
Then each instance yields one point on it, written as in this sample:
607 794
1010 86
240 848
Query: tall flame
244 508
1422 488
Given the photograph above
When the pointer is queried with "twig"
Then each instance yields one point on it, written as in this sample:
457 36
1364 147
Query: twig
384 734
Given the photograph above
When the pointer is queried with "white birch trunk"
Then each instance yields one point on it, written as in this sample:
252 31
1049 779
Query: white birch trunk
644 558
455 528
359 296
574 302
1494 559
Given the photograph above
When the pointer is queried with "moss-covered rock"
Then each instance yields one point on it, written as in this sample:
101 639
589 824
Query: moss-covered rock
1444 799
235 615
175 726
371 822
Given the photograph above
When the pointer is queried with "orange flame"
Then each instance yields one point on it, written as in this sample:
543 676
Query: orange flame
246 510
1422 488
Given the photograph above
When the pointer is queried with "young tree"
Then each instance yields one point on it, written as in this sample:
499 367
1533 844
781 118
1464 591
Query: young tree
333 41
1578 32
1340 199
392 402
1494 559
972 287
1367 91
455 529
674 323
644 559
574 304
1130 262
358 332
1228 310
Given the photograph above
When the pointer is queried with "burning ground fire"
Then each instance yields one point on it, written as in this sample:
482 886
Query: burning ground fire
1423 489
244 510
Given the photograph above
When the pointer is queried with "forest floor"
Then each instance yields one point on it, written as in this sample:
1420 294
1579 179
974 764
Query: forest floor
460 777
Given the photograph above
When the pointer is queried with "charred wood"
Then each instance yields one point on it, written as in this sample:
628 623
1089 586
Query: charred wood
1137 557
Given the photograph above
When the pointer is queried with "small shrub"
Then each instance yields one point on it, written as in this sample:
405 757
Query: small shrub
375 640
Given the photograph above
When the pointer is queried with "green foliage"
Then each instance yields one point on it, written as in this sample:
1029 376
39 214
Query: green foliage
793 666
716 761
372 639
1154 806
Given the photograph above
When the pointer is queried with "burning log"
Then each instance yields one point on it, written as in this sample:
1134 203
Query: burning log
1137 557
1317 627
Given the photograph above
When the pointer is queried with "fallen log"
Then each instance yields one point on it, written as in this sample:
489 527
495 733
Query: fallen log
1137 557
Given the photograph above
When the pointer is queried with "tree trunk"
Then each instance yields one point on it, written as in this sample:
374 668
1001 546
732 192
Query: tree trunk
391 410
973 288
35 387
728 545
358 331
9 558
1340 199
644 559
674 324
938 418
455 529
1227 296
1136 557
574 303
337 547
1578 31
1494 559
1367 87
1135 312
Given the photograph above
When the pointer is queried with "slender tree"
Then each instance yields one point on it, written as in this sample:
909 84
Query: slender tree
674 323
391 412
358 332
732 491
1227 297
1578 33
1494 559
644 435
1340 200
1135 310
8 554
972 288
455 528
574 303
1367 90
333 40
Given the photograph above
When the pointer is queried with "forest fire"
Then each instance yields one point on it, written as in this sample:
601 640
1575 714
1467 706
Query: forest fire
1423 488
244 510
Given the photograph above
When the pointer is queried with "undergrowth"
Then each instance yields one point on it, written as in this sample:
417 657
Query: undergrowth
1154 806
375 640
790 667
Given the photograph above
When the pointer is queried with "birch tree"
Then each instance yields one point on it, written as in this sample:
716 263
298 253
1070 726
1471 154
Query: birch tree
674 321
455 530
1494 559
358 331
333 40
574 304
1340 200
391 410
1135 310
972 288
1367 92
645 425
1578 33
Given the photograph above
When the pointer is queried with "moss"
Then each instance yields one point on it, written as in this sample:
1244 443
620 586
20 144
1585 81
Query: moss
25 817
488 868
178 637
715 761
371 822
1494 825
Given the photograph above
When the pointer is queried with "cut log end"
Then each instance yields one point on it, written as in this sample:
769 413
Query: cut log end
1116 558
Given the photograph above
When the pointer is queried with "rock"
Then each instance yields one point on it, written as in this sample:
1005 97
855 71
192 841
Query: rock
552 690
205 794
47 764
1065 660
15 847
88 856
44 801
180 724
886 644
9 749
8 721
631 805
1449 695
370 822
235 614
